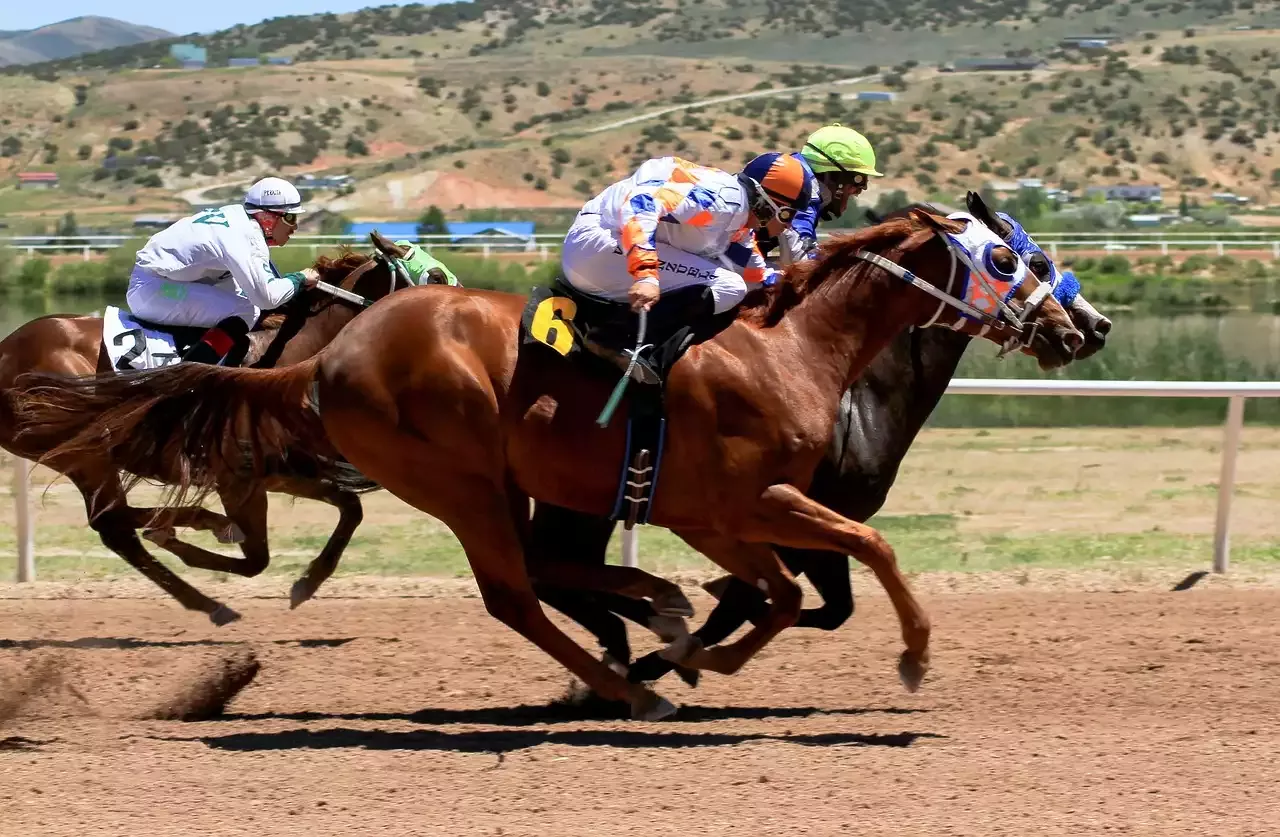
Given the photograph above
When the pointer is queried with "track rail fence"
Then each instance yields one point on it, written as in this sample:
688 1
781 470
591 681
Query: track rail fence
1234 391
543 245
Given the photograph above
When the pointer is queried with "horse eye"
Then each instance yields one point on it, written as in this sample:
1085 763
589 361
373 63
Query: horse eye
1039 265
1004 260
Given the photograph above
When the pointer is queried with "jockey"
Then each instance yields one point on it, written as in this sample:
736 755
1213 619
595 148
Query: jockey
674 224
841 161
213 270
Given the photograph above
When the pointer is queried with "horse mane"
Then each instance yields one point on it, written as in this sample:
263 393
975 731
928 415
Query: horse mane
766 307
346 261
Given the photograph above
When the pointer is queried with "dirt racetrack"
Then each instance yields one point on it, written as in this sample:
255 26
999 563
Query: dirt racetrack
1048 712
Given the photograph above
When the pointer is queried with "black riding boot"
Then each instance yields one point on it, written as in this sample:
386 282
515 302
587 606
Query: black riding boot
226 343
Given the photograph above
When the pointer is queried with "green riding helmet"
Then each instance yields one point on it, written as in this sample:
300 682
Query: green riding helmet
835 148
842 161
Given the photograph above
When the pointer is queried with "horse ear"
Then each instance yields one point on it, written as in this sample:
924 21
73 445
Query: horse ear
978 209
384 246
929 219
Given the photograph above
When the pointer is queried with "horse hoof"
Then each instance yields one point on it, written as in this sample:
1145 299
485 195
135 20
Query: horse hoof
680 650
668 628
230 533
300 593
160 536
223 616
690 676
912 671
673 603
716 588
652 707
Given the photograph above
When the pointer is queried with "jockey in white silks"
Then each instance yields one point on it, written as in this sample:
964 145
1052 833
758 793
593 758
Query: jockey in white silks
214 270
674 224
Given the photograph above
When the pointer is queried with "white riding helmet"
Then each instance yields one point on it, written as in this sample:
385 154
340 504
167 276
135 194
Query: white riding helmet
274 194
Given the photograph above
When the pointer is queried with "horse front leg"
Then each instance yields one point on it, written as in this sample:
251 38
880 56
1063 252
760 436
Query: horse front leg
784 516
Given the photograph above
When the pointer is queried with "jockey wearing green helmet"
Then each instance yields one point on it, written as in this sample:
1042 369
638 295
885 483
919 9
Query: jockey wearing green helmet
841 161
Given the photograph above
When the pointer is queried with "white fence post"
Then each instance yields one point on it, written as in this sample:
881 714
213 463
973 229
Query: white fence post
25 534
1226 483
630 548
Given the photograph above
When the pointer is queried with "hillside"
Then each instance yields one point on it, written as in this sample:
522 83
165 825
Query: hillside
71 38
484 112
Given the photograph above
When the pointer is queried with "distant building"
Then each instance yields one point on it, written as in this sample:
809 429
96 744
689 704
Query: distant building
153 222
1001 64
1140 194
1229 197
279 59
873 96
37 180
190 56
491 232
337 181
243 62
391 229
1001 188
1089 41
1030 183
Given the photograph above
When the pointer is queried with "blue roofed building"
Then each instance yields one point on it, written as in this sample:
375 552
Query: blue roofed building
494 233
391 229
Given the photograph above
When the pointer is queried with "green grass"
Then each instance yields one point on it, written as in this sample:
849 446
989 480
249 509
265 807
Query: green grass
924 543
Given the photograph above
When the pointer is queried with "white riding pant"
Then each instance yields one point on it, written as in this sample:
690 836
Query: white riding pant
594 263
187 303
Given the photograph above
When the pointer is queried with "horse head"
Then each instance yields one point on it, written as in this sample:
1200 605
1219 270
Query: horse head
1066 288
987 288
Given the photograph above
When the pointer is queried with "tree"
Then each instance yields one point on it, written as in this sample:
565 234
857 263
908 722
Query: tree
432 222
1184 206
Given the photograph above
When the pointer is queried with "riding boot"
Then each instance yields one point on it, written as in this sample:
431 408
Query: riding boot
227 343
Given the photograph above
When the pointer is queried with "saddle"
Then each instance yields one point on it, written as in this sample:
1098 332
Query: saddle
600 334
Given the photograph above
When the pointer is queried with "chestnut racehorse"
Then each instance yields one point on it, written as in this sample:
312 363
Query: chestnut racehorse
431 395
71 345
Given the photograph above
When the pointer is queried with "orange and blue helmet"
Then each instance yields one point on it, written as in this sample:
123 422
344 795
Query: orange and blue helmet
777 185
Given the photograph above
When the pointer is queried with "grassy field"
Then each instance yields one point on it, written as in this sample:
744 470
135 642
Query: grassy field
967 501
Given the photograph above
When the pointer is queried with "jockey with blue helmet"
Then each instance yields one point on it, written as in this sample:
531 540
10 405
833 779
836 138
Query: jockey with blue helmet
213 269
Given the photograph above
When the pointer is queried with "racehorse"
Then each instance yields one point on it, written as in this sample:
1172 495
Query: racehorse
431 395
878 420
72 345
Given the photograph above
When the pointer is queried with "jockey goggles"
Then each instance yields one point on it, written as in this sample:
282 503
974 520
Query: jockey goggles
783 212
856 179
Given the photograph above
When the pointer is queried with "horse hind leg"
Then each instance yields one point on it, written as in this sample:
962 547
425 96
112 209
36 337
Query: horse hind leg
745 560
246 515
350 515
158 523
110 516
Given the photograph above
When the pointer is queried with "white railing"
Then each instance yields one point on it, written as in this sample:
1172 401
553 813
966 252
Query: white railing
544 244
1234 391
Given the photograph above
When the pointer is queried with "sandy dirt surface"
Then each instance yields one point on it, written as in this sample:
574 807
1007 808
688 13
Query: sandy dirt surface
1048 712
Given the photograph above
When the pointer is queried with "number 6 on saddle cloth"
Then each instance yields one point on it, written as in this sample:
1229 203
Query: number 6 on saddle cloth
568 321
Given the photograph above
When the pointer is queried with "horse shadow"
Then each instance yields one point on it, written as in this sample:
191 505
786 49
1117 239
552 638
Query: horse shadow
127 643
564 712
504 741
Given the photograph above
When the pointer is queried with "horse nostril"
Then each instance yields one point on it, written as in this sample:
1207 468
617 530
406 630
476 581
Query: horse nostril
1073 340
1103 327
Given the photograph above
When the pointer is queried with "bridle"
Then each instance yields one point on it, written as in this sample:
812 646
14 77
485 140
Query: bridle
1014 323
396 269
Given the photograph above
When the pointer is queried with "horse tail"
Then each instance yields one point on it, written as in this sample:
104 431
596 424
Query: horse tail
190 422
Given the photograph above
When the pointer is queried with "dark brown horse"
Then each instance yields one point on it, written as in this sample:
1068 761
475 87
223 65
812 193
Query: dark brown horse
71 345
430 394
